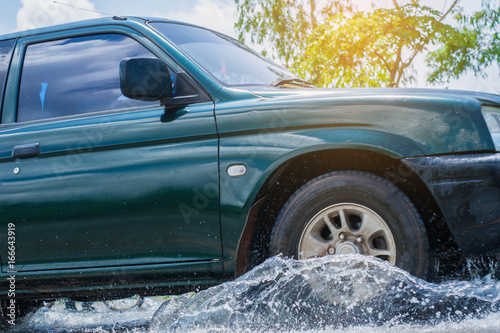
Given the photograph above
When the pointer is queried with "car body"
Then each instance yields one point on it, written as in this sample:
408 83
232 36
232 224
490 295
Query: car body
181 186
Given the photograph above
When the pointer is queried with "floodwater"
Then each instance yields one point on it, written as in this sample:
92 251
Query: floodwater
348 293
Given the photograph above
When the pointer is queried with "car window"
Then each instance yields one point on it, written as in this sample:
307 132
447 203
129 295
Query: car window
75 76
6 47
226 59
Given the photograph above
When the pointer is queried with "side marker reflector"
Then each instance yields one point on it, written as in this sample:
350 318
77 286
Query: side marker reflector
236 170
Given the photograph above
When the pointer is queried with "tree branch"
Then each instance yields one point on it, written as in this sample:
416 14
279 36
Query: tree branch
410 60
314 23
449 10
386 64
395 69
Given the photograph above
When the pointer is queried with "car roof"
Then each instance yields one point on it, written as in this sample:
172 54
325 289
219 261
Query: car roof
121 20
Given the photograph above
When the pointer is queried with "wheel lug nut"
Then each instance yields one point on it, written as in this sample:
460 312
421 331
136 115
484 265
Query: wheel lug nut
359 239
331 250
341 236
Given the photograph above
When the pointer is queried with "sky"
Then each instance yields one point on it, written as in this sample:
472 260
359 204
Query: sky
25 14
219 15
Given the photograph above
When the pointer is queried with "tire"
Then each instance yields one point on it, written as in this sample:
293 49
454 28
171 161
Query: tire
354 212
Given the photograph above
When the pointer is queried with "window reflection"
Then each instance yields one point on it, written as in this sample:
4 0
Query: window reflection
76 76
6 48
228 60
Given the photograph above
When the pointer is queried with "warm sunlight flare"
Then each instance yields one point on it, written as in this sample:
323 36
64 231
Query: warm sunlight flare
362 43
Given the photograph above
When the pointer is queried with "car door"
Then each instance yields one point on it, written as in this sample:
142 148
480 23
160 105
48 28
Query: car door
91 178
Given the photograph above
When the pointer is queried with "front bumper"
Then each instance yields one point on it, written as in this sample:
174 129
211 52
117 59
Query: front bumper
467 190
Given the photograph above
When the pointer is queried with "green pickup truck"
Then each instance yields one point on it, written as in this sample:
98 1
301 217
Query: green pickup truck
146 156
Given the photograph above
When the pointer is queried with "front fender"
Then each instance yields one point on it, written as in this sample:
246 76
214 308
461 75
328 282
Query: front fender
265 133
264 153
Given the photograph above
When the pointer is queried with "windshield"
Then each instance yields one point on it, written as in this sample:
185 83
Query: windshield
227 60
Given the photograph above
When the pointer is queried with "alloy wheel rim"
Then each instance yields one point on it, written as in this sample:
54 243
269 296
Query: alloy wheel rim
347 228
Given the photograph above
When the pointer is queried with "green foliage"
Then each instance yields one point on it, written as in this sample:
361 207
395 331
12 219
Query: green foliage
369 49
473 46
284 24
331 43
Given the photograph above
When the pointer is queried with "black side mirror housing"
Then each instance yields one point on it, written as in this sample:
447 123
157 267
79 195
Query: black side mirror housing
145 79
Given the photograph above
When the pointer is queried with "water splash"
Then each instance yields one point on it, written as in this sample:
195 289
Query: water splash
329 293
337 294
130 315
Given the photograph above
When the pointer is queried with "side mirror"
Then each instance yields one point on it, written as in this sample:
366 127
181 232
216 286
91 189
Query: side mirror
145 79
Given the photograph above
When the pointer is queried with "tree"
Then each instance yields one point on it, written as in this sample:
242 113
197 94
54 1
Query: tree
284 25
473 46
337 45
370 49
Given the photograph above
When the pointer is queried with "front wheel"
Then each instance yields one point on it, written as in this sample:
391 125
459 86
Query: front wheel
353 212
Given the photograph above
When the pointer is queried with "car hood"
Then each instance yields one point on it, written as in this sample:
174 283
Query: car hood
385 93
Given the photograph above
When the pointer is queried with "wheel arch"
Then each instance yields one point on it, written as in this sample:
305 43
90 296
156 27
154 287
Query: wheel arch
297 171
